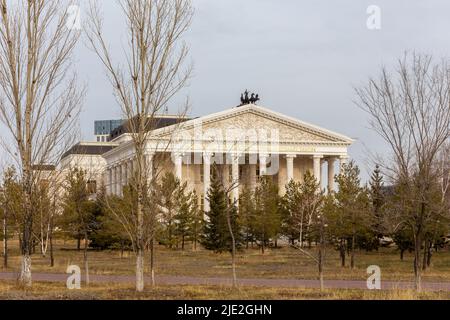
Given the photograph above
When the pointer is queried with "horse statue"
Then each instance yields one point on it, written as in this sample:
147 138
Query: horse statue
245 99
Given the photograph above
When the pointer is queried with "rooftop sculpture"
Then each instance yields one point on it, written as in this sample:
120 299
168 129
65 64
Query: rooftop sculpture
245 99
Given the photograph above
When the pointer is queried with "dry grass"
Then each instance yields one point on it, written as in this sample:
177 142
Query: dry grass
56 291
284 263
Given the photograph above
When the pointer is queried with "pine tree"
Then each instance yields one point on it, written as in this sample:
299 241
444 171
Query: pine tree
185 215
268 217
167 197
197 220
377 198
291 211
108 232
247 216
215 229
78 210
348 218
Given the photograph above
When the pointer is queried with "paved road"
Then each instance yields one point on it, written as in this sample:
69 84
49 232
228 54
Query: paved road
277 283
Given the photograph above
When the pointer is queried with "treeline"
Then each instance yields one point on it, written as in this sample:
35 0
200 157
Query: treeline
354 217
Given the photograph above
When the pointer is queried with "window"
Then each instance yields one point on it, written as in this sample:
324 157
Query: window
202 202
92 186
201 174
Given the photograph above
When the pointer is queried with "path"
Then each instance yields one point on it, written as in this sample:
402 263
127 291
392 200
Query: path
276 283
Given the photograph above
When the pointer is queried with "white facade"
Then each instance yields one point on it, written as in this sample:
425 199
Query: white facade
243 142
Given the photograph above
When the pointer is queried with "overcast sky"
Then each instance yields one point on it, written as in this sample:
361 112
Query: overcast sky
302 57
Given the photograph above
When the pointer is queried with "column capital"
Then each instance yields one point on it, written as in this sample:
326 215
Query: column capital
317 156
291 156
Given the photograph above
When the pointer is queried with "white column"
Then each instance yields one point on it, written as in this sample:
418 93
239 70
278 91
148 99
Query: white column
130 170
116 179
317 164
120 179
262 164
109 181
235 175
290 167
206 178
179 166
124 174
331 161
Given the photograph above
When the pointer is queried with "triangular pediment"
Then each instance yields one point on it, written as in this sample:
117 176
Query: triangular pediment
252 117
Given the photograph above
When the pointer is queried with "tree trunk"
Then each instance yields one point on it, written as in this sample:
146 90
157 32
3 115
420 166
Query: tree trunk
52 258
140 245
352 259
86 263
140 269
321 256
25 270
233 249
425 253
152 260
429 254
5 242
79 243
195 240
417 269
26 243
342 253
301 233
50 234
402 251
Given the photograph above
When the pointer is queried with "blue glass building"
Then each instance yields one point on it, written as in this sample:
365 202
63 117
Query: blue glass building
103 128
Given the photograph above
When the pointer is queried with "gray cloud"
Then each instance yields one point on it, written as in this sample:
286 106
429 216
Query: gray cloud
303 57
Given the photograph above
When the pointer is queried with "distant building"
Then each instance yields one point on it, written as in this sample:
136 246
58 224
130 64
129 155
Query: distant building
104 128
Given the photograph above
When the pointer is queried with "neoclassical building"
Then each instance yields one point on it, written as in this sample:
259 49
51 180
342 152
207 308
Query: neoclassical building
242 143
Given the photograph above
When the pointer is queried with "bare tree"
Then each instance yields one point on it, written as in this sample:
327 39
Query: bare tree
312 206
40 99
230 210
410 110
155 58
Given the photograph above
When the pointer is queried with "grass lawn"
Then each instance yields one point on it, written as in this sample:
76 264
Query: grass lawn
55 291
284 263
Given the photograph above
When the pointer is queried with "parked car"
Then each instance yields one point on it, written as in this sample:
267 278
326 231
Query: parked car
386 241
